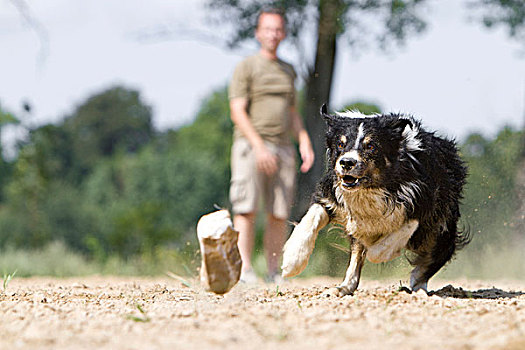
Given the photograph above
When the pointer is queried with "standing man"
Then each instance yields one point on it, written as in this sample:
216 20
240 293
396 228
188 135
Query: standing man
262 104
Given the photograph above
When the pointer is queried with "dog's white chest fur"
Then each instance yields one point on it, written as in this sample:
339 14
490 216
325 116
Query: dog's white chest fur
382 228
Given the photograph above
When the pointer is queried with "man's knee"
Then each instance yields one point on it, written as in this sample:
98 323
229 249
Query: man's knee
245 215
275 219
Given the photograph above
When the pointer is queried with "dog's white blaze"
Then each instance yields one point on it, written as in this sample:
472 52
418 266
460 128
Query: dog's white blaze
412 143
300 245
355 114
360 136
389 246
353 154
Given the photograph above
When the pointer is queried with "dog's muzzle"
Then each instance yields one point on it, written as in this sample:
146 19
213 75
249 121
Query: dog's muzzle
351 172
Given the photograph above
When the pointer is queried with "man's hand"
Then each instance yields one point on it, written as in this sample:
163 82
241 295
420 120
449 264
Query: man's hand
267 162
307 153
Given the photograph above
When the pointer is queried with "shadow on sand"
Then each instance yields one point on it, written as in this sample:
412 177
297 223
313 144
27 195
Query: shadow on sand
450 291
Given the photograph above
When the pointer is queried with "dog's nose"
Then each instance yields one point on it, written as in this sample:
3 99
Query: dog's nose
347 163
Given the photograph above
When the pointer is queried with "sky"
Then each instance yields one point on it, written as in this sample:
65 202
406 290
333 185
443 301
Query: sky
457 77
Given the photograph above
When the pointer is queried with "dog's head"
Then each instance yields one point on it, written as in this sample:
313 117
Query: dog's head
365 151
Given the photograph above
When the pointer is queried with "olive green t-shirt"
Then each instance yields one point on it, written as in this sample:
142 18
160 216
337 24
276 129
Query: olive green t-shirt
268 85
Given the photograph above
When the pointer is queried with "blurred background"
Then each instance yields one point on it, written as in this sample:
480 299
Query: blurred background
115 128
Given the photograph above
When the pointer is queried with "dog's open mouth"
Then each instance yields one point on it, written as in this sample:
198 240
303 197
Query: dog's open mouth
350 181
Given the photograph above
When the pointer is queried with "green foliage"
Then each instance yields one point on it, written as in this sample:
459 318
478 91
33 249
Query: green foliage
56 259
363 107
7 118
112 121
7 278
117 200
44 214
157 196
490 200
509 13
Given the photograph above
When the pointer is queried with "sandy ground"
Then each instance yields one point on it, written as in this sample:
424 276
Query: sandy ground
162 313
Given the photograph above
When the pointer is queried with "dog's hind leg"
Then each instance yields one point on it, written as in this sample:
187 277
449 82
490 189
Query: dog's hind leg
432 256
300 245
353 273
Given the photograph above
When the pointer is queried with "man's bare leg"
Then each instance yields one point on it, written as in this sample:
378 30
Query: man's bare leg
274 238
245 224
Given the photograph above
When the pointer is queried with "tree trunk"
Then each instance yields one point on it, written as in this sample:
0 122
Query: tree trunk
318 87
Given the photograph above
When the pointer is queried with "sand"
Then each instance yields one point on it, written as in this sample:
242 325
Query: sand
163 313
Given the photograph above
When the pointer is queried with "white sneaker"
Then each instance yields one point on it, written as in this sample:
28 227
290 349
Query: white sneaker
275 278
248 277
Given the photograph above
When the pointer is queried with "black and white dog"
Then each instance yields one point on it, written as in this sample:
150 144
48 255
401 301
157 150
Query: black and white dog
391 185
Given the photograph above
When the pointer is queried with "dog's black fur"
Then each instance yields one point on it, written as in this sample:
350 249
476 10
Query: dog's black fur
392 185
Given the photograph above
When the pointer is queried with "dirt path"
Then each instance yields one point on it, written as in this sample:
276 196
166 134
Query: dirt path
160 313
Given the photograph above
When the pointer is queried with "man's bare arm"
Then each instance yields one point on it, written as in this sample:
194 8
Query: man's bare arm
305 145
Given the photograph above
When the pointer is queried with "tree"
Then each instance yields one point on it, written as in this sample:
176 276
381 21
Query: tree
50 151
356 21
156 196
113 120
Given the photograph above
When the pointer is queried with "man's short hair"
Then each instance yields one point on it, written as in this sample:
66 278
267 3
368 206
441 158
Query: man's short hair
272 11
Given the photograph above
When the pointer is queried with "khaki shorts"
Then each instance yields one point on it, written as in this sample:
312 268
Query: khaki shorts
248 184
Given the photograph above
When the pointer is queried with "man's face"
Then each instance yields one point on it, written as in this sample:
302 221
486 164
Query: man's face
270 31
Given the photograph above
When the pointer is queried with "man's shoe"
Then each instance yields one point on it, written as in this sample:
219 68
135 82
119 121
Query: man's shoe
248 277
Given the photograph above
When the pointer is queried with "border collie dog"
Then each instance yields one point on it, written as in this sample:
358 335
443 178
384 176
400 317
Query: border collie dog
391 185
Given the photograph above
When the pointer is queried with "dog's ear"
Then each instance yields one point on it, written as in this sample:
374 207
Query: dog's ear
324 113
400 125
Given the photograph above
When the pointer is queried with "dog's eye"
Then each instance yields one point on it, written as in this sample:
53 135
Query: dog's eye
371 147
340 145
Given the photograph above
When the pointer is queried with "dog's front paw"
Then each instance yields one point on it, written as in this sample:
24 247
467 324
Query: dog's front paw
299 247
346 289
296 252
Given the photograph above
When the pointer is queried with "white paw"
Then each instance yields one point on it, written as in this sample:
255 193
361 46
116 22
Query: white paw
300 245
296 252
